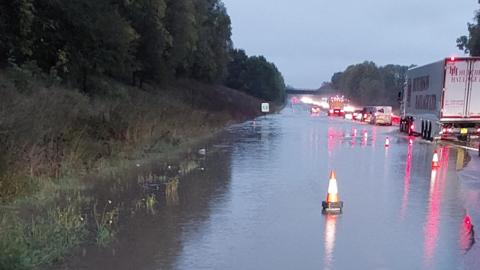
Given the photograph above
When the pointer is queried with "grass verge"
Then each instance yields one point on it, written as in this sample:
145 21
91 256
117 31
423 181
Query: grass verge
53 136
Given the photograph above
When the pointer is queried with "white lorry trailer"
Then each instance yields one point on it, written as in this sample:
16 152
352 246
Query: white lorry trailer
442 100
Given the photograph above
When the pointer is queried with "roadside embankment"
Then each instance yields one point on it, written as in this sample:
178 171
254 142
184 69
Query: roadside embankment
53 136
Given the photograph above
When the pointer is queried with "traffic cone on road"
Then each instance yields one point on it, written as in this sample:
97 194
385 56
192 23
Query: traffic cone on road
387 142
332 195
333 203
435 163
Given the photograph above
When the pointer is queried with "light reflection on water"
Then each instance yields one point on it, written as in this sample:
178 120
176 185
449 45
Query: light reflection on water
330 230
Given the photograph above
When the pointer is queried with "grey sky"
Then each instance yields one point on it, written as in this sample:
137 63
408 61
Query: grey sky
309 40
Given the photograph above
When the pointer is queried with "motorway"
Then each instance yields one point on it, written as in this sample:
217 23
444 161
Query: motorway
256 203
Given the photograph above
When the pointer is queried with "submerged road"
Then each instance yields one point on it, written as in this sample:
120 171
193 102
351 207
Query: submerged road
256 204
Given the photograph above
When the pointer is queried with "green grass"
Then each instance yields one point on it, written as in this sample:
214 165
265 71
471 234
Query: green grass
39 240
105 221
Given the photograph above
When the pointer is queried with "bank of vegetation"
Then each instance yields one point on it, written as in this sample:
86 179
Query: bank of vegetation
86 83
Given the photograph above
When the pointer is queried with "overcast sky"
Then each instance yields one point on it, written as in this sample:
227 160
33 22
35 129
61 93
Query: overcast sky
309 40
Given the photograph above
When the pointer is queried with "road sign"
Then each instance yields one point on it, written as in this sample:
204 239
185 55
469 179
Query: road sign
265 107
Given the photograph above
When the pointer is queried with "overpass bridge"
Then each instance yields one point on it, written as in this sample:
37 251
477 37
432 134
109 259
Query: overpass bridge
305 92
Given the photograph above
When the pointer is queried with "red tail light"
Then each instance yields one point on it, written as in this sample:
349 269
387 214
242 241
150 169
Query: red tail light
331 111
412 127
364 116
444 130
478 130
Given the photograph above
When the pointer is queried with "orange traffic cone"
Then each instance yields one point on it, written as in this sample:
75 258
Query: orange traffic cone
333 203
332 195
435 163
387 142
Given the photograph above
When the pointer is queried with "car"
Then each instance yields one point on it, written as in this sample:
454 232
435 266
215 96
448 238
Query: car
315 110
336 112
357 115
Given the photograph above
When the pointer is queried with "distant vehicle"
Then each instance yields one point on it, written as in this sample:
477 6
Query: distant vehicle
368 113
336 106
382 115
315 109
442 99
358 115
395 119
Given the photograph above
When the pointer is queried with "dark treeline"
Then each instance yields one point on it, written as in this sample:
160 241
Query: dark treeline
256 76
369 84
471 43
130 40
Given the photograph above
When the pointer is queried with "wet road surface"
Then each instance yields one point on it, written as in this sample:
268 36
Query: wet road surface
254 202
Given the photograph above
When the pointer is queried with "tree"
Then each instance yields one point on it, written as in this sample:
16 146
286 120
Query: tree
255 76
16 20
236 70
471 44
214 44
181 23
368 84
147 18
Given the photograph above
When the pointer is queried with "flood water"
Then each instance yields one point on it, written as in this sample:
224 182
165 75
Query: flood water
254 202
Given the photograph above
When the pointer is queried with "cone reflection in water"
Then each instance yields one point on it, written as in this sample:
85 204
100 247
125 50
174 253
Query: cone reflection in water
330 234
435 160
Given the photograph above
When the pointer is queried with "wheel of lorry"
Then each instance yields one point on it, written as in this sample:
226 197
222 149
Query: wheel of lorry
429 135
423 129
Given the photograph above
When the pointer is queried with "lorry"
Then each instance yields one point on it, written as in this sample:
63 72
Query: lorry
336 106
441 100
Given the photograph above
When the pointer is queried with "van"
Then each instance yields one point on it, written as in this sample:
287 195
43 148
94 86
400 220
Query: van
368 114
382 116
